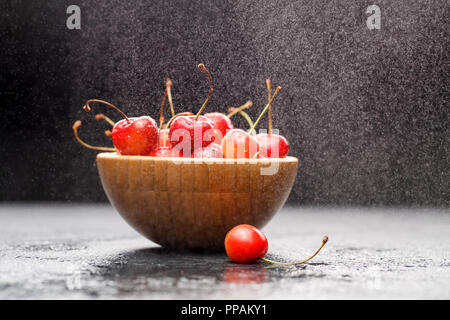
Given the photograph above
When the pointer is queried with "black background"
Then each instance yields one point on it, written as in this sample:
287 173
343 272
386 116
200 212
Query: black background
365 111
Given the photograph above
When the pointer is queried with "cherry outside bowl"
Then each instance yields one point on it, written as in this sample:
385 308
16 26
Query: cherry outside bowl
193 203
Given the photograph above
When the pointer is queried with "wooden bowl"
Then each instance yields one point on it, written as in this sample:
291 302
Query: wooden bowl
193 203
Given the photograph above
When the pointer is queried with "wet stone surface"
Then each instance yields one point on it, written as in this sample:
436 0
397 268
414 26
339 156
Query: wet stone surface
88 252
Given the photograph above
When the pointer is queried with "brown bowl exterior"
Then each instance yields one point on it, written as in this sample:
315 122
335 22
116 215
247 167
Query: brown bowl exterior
193 203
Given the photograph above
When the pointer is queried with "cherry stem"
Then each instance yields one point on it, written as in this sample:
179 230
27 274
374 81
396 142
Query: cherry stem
101 116
176 116
249 120
169 95
161 111
233 111
75 128
87 108
202 67
165 134
270 106
245 116
324 241
265 109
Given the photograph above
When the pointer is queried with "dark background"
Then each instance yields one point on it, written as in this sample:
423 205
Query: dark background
365 111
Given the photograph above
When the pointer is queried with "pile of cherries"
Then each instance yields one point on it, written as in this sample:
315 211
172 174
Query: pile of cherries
211 135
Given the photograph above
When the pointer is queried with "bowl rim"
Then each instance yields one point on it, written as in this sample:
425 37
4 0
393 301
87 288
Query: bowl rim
115 156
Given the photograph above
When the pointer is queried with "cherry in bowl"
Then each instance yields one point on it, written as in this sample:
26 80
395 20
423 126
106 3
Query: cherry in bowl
239 144
272 145
131 136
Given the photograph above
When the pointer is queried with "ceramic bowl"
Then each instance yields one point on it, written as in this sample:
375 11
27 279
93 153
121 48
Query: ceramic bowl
193 203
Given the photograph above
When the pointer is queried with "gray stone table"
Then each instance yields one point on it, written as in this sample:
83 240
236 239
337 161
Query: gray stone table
88 252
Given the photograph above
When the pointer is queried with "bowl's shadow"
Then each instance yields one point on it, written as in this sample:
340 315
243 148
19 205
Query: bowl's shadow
161 263
168 274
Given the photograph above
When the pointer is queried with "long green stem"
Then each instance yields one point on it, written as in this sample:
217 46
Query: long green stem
265 109
202 67
270 107
161 110
233 111
75 128
244 115
169 95
324 241
87 107
249 120
101 116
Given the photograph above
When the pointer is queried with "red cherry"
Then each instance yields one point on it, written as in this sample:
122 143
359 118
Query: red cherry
165 152
273 145
186 129
198 129
214 150
239 144
135 136
221 122
245 243
131 136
